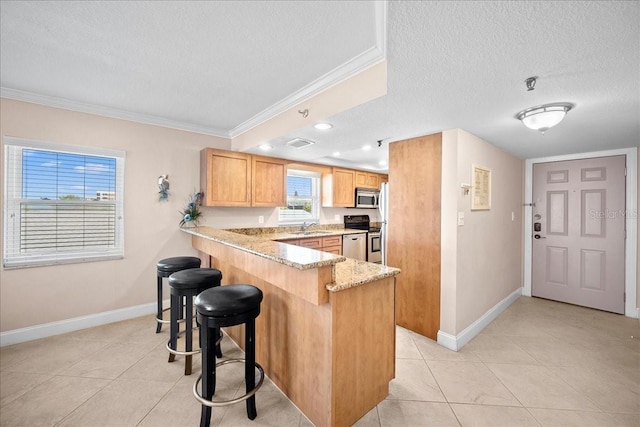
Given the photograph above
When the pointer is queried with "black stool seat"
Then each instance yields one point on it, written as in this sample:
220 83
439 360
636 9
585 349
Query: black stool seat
217 307
231 300
166 267
194 278
185 285
171 265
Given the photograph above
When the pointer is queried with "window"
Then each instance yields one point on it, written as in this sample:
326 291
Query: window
63 204
303 198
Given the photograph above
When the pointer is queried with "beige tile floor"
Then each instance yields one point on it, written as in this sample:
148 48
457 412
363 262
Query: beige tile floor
541 363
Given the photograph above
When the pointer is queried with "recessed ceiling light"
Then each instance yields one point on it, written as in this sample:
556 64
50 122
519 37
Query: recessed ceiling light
323 126
366 147
265 147
336 154
382 162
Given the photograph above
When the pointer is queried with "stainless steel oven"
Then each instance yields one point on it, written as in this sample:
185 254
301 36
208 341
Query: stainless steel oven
374 243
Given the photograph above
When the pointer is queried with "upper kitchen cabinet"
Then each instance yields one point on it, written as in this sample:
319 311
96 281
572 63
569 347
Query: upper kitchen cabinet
230 178
338 188
367 180
269 181
225 177
383 179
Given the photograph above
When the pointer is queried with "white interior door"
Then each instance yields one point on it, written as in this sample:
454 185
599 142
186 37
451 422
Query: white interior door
579 232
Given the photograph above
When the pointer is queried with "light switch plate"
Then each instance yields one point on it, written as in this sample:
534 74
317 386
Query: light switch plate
460 218
336 217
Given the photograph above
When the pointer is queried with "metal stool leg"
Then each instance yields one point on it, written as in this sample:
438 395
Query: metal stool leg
159 315
189 333
208 342
174 326
218 348
250 366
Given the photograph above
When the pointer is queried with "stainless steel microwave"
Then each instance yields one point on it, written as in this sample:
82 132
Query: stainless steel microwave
367 198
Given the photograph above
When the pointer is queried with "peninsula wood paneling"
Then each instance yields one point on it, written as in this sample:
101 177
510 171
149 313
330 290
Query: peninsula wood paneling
415 167
331 353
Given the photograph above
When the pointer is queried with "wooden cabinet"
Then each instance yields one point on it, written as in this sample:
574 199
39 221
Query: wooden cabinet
331 244
268 181
383 178
338 188
367 179
225 178
229 178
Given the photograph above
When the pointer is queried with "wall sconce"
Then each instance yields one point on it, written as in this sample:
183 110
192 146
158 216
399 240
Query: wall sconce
544 117
466 188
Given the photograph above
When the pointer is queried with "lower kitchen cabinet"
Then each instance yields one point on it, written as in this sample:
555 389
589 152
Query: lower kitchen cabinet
330 244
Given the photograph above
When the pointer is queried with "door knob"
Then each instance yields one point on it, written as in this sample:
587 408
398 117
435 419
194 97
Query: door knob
537 236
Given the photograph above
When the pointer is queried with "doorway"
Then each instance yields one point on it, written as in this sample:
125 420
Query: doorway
629 218
579 230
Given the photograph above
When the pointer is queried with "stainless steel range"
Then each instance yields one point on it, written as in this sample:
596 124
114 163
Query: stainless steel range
361 222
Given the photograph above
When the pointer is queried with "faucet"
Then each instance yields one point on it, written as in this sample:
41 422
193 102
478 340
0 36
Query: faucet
305 226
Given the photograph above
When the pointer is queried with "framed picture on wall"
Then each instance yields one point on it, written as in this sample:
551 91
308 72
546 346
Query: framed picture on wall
481 188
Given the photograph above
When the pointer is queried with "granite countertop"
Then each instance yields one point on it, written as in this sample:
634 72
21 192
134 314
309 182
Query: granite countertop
295 232
352 273
294 256
347 272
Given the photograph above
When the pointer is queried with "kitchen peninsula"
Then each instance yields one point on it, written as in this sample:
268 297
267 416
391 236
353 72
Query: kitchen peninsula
326 332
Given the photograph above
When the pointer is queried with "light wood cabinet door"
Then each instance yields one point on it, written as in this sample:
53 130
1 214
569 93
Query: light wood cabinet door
367 179
225 178
373 180
383 178
343 188
332 244
269 181
361 179
312 242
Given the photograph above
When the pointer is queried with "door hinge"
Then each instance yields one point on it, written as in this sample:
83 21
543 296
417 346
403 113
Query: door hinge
624 297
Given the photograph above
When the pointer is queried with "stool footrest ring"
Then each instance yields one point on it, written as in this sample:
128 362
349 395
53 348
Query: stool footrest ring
159 320
212 403
182 353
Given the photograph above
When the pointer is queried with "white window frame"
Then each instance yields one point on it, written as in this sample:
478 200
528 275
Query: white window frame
315 195
13 257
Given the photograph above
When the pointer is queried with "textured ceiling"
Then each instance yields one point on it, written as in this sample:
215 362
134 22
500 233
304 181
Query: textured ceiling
216 65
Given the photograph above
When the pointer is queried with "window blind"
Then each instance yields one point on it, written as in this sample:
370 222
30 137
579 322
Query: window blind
62 204
303 198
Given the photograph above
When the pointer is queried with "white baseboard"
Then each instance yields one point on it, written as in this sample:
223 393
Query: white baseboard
456 342
69 325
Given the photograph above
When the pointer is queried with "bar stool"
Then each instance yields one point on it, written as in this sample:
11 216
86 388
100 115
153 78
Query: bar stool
186 284
166 267
222 306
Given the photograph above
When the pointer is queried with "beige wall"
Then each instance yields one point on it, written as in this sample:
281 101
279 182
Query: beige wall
482 260
39 295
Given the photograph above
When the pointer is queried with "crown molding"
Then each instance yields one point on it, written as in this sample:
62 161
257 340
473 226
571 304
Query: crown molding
366 59
50 101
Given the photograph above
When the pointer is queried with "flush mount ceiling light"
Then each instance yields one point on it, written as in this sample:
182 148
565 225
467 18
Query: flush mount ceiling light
544 117
323 126
265 147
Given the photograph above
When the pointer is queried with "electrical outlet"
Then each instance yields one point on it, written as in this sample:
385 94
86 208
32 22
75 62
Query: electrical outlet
261 219
336 217
513 216
460 218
